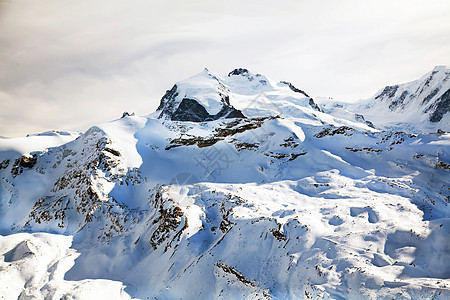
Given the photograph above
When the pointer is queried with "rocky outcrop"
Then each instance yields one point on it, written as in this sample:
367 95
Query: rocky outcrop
360 118
25 161
442 107
167 104
388 92
431 94
189 109
79 194
250 77
296 90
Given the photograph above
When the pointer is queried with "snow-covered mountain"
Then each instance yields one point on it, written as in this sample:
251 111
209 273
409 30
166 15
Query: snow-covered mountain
236 187
422 105
206 97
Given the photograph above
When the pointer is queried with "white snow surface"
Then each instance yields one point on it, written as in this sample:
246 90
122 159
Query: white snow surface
35 142
32 266
288 203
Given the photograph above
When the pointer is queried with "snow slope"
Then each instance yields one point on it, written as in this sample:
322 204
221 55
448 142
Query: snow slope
33 267
285 202
208 96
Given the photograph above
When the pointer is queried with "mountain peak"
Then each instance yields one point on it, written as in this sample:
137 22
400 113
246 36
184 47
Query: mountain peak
441 68
429 95
244 73
422 105
202 97
239 71
208 96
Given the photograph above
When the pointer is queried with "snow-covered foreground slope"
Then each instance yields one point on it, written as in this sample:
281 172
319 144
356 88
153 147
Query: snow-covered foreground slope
283 201
33 267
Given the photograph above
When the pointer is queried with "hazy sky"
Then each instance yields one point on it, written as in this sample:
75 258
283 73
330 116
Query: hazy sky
71 64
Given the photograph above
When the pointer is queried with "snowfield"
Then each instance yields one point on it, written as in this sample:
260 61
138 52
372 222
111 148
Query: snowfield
291 200
34 265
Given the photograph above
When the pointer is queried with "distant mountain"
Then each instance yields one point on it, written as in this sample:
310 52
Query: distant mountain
430 95
417 106
56 133
236 187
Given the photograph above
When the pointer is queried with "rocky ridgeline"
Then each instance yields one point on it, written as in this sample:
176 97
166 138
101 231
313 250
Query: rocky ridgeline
431 94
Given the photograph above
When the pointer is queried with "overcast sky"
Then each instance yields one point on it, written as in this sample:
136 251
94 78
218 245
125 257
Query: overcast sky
71 64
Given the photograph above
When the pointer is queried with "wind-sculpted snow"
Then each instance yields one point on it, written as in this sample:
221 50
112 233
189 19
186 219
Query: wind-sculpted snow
288 202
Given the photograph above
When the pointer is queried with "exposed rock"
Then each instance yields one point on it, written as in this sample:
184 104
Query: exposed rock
28 161
388 92
399 102
168 104
254 78
294 89
276 232
230 128
169 220
246 146
367 149
443 165
347 131
126 114
360 118
239 71
189 109
442 107
290 156
78 191
289 142
314 105
25 161
295 155
239 276
4 164
430 96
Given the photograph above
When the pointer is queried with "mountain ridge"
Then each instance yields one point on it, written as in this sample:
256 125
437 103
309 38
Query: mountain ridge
416 106
285 201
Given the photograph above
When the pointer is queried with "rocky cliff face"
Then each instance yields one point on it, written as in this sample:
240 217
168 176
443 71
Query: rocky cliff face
418 106
429 94
180 104
190 110
440 107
